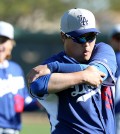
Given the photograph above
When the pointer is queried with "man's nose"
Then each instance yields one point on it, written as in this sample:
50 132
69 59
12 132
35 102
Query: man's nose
87 44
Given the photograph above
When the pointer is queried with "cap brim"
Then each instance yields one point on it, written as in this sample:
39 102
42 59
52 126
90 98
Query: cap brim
77 33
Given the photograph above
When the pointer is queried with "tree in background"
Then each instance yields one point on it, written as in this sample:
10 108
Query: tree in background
14 10
36 14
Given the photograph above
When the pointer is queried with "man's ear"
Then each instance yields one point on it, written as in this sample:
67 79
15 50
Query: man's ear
63 36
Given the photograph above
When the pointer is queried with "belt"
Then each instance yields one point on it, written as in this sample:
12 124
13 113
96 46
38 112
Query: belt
8 131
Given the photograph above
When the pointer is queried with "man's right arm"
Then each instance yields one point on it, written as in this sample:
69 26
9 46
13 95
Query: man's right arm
62 81
56 82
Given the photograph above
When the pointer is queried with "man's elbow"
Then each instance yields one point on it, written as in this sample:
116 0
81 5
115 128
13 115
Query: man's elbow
38 88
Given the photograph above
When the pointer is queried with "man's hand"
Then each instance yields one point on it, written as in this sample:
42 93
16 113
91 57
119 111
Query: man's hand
92 76
37 72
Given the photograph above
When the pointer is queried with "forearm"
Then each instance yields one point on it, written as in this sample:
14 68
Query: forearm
56 82
61 81
56 67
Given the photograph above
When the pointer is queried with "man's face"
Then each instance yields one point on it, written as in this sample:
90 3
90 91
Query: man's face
5 48
80 51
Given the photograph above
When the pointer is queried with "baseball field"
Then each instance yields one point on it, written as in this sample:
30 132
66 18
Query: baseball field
35 123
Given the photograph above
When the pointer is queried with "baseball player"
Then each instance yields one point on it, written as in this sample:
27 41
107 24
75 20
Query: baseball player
13 91
75 85
114 38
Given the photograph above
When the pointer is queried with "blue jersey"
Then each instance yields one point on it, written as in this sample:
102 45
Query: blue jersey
82 109
118 63
117 95
13 95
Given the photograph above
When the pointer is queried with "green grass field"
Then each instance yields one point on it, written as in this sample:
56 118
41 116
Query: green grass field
35 123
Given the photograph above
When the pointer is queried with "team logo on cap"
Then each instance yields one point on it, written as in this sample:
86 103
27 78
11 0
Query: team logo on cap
82 20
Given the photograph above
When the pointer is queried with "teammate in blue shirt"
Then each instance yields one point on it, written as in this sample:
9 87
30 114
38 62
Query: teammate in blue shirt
74 86
13 91
114 39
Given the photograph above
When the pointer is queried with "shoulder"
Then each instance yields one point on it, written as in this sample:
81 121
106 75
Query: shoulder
105 54
15 65
103 46
55 57
104 50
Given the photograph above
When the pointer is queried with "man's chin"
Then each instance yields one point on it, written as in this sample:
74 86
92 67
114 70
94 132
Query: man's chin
1 59
86 58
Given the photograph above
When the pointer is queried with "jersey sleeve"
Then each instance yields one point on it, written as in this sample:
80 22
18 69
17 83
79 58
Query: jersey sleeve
65 67
105 55
39 87
68 68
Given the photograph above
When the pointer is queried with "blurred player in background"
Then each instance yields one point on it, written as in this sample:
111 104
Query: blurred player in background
75 85
13 91
115 43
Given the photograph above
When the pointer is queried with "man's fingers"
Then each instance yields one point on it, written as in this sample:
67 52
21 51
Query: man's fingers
102 74
32 77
